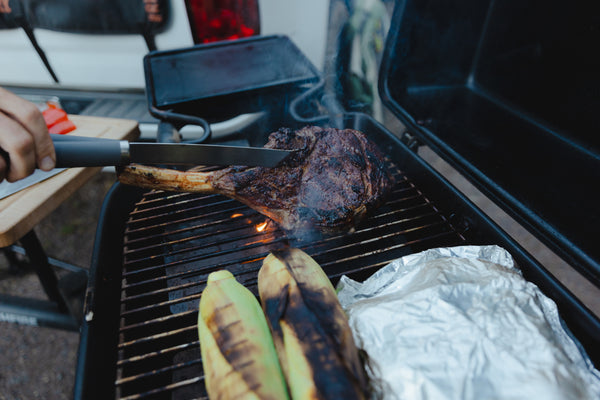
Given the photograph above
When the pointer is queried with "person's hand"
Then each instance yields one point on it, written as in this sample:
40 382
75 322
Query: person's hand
24 139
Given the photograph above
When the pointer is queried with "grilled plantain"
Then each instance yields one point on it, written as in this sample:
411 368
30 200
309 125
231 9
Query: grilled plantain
310 329
238 355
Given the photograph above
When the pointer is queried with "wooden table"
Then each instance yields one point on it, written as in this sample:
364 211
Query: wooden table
22 211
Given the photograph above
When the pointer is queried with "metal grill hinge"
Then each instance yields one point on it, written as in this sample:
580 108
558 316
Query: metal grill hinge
411 141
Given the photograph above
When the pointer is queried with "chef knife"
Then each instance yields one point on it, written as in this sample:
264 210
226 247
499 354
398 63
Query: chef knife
79 151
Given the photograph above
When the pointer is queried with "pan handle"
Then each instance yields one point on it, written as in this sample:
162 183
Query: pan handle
303 105
166 133
171 120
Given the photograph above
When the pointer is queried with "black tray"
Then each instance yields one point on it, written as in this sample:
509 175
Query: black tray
226 78
508 92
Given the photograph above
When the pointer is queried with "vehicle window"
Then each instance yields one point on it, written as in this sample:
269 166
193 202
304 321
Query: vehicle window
86 16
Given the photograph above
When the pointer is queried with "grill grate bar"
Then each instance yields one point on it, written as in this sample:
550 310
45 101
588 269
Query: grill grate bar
166 320
187 285
232 238
151 228
163 244
362 230
206 269
163 370
258 243
263 255
198 360
398 246
177 366
156 336
161 352
233 209
167 388
325 265
376 265
374 239
166 201
174 241
168 369
182 299
159 196
238 212
160 320
155 215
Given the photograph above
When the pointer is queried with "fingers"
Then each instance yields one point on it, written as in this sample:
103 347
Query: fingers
24 136
18 143
2 169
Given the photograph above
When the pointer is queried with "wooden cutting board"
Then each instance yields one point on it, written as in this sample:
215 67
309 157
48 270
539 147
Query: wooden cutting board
23 210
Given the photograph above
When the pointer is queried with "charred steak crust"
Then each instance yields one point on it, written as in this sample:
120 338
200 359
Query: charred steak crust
331 182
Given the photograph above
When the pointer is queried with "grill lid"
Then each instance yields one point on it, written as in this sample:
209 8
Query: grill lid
508 93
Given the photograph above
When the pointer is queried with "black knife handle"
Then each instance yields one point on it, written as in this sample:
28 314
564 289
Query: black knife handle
91 153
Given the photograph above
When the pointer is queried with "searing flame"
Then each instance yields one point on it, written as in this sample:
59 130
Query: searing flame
236 215
261 227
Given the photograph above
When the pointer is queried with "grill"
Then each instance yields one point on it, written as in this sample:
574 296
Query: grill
157 248
154 250
172 243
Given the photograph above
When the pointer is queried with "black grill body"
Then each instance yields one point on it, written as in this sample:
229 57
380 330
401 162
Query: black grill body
506 92
155 249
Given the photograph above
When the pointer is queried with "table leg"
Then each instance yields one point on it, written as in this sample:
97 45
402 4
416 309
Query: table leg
13 261
39 261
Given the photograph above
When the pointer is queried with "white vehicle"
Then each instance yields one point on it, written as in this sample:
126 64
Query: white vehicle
88 53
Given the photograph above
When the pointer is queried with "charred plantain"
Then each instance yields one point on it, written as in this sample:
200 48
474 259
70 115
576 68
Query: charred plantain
310 329
238 355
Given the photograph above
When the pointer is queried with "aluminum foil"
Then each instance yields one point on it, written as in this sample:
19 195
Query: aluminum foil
463 323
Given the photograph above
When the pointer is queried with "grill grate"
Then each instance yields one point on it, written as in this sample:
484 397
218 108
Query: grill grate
173 241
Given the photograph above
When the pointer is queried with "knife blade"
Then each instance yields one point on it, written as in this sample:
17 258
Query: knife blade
9 188
73 151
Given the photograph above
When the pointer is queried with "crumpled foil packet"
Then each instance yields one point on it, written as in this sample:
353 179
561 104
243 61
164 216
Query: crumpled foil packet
463 323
